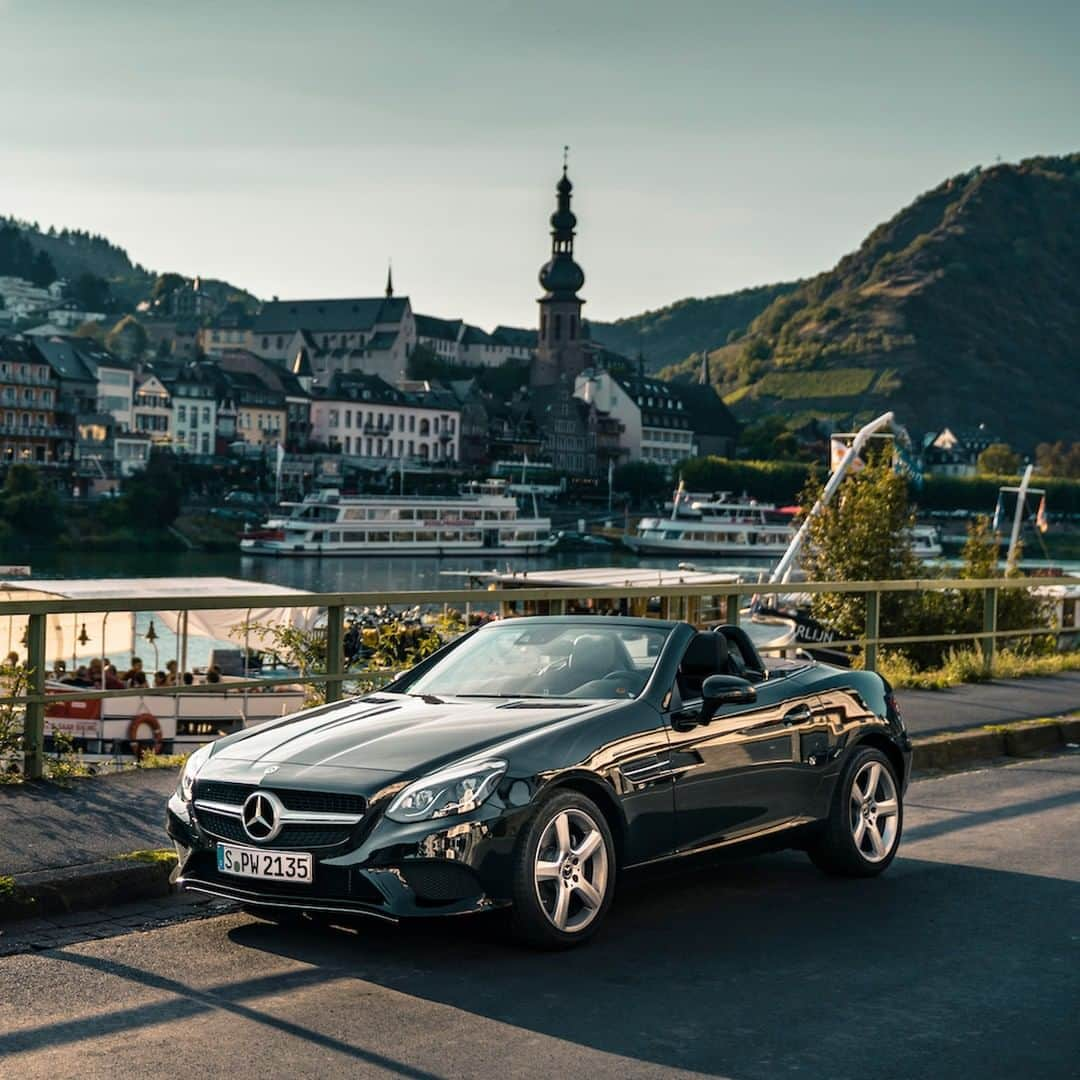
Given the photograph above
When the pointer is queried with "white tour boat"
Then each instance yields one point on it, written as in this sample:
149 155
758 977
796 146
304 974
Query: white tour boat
720 526
482 519
715 525
173 722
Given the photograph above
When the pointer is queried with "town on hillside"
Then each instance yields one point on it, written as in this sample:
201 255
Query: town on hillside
356 392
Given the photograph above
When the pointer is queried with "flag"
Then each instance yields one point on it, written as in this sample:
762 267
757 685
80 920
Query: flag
999 511
1040 517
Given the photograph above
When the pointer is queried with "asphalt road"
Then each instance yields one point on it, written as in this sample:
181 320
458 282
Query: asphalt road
963 960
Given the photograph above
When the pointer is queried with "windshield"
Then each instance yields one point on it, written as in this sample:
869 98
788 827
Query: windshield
576 660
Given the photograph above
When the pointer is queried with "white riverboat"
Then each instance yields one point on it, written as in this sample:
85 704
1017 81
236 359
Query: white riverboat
715 525
143 717
721 526
483 519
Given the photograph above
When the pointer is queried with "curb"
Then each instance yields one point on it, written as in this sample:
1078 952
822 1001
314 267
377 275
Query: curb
1024 738
119 880
89 885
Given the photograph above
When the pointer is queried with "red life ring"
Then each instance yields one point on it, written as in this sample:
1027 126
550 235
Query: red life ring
137 721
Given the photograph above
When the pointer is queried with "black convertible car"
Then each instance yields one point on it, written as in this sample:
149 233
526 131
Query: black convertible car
530 762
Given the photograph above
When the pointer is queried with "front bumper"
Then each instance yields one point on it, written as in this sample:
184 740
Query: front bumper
385 869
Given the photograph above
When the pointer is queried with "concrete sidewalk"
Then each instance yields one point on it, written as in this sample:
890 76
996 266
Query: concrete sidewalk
978 704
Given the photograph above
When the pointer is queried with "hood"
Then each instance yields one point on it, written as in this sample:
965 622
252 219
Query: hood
394 733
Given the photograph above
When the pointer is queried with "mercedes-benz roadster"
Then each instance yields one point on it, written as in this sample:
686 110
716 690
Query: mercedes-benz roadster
529 763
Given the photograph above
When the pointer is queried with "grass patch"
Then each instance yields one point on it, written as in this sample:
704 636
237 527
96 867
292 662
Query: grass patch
737 395
966 666
151 855
8 888
837 382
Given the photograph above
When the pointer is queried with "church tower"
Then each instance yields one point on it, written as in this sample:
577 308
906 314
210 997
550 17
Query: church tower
560 349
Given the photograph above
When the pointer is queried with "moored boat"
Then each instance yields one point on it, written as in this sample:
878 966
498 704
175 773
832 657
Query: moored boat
484 518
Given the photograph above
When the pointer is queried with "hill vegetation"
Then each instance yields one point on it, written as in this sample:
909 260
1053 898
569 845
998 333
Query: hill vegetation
962 309
671 333
101 274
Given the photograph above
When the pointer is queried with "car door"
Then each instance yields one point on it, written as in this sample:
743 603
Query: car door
739 773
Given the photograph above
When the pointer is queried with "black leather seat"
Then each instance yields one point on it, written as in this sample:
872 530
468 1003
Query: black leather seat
706 655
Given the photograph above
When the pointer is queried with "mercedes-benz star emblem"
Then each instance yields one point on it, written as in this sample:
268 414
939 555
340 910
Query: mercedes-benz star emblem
262 816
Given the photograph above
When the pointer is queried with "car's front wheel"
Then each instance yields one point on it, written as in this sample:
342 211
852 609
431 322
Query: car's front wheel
564 874
862 833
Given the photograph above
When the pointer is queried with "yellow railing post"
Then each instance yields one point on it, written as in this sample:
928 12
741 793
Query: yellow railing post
335 651
990 618
34 720
731 609
873 620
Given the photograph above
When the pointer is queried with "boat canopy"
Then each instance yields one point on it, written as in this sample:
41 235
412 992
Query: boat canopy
113 634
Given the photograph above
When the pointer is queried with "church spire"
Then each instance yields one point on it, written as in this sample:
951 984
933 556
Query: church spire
560 353
390 281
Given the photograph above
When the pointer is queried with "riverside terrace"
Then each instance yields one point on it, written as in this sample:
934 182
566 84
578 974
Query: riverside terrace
704 604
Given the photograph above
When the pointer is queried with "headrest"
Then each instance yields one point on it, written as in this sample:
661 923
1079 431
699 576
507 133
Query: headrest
707 655
594 651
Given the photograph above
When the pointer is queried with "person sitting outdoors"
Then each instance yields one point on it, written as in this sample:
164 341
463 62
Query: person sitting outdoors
213 674
112 679
12 660
172 676
60 672
135 675
189 679
160 678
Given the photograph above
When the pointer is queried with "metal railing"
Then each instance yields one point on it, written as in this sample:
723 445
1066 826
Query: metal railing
700 604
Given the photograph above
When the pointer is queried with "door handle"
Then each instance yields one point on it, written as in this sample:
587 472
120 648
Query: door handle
799 715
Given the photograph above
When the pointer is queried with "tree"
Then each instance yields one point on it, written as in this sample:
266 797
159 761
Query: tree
864 534
28 505
769 440
91 292
127 338
641 480
998 459
1057 459
152 498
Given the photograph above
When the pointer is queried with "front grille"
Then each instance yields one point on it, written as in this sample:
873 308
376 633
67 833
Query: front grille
330 802
226 827
440 882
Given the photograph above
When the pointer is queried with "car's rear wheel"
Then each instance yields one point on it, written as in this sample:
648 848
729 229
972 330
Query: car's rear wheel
862 833
564 874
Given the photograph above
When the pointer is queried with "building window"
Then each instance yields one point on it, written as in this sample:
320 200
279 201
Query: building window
181 414
573 328
206 414
558 327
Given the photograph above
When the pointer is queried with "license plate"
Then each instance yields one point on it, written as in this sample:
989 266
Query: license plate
274 865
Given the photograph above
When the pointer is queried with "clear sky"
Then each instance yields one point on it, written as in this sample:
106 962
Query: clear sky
293 147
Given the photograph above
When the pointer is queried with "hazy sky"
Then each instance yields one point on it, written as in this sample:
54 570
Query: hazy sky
293 147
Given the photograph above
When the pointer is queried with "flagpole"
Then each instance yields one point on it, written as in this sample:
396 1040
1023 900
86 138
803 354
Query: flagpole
1018 517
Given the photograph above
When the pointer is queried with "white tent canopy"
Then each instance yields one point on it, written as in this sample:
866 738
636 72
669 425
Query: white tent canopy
113 634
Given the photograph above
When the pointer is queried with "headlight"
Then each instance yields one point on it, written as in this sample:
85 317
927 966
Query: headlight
196 760
452 791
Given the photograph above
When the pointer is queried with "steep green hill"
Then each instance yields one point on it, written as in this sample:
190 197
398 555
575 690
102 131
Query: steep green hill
671 333
74 253
964 308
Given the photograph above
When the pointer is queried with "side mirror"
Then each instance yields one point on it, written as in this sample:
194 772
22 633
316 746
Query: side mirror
720 690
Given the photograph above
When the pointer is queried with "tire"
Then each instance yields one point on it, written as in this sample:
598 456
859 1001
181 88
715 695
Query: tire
862 833
564 873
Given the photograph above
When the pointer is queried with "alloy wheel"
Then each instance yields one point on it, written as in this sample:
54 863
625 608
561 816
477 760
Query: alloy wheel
570 871
874 812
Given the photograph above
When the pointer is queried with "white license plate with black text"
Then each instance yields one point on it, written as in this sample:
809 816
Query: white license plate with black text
274 865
